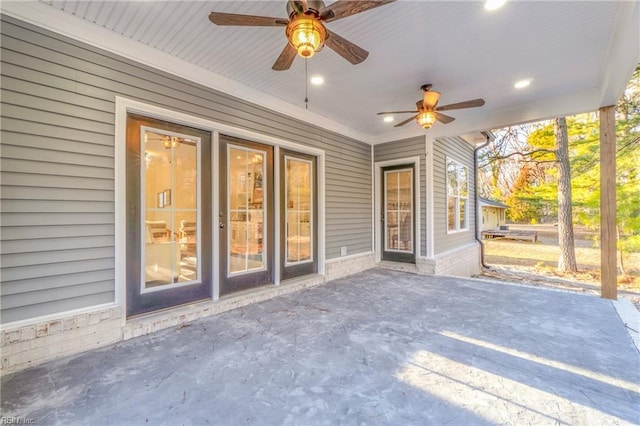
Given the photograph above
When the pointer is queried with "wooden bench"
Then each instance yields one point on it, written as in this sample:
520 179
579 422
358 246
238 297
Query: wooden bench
511 235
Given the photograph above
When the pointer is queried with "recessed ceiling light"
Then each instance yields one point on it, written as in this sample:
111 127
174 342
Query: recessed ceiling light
317 80
494 4
388 119
522 83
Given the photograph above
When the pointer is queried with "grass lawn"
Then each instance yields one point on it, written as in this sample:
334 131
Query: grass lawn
542 258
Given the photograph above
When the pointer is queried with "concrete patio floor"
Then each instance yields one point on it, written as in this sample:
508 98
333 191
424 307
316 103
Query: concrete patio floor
378 347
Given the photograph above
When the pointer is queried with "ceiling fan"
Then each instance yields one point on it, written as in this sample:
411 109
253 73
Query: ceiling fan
305 28
428 110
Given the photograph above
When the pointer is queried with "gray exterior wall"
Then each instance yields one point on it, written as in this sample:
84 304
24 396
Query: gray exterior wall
460 150
403 149
57 154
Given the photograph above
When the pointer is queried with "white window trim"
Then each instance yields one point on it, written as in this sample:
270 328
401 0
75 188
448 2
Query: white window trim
125 106
457 198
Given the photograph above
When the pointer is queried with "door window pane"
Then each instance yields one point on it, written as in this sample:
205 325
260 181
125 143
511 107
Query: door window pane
299 205
399 210
170 176
246 174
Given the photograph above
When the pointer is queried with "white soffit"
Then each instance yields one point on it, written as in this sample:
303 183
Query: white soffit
580 56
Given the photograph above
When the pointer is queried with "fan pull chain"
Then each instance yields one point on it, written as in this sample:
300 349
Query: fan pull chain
306 85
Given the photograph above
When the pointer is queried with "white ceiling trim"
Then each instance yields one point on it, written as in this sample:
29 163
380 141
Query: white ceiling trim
624 53
42 15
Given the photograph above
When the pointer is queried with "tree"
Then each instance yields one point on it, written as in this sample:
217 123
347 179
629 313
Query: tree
528 202
521 169
567 261
500 164
586 169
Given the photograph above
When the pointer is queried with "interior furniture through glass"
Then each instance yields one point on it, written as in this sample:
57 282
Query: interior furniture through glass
170 173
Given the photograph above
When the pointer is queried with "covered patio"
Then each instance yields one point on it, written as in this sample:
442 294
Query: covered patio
377 347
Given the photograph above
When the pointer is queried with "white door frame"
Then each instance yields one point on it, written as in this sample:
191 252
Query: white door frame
379 165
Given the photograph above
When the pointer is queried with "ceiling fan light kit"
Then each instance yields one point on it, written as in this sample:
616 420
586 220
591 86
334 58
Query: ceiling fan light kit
426 119
306 35
427 111
305 30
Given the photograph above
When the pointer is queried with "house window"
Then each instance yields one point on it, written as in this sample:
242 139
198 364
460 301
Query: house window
457 196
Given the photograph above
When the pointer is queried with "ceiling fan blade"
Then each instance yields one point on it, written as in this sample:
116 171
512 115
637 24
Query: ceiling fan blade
341 9
460 105
444 119
402 123
285 59
345 48
396 112
430 99
246 20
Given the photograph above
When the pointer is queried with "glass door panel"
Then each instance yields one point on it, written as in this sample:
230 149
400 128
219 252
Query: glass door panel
298 213
299 207
246 210
398 214
170 176
246 214
166 202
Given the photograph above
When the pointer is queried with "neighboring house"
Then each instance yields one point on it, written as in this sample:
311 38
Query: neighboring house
493 214
128 190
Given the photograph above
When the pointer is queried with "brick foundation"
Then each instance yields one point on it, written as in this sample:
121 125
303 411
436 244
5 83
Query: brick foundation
461 262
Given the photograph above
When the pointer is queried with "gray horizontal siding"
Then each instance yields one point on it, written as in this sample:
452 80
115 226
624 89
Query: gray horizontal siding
51 244
461 151
44 270
58 122
70 302
47 206
55 283
403 149
35 193
48 295
18 233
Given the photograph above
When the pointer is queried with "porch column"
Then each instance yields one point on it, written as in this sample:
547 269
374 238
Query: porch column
608 252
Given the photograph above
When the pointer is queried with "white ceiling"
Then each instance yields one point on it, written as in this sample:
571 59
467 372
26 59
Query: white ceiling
580 54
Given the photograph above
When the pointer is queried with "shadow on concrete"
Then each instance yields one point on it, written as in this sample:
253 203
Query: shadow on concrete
379 347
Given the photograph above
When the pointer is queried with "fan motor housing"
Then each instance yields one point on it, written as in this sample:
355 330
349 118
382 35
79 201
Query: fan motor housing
313 7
